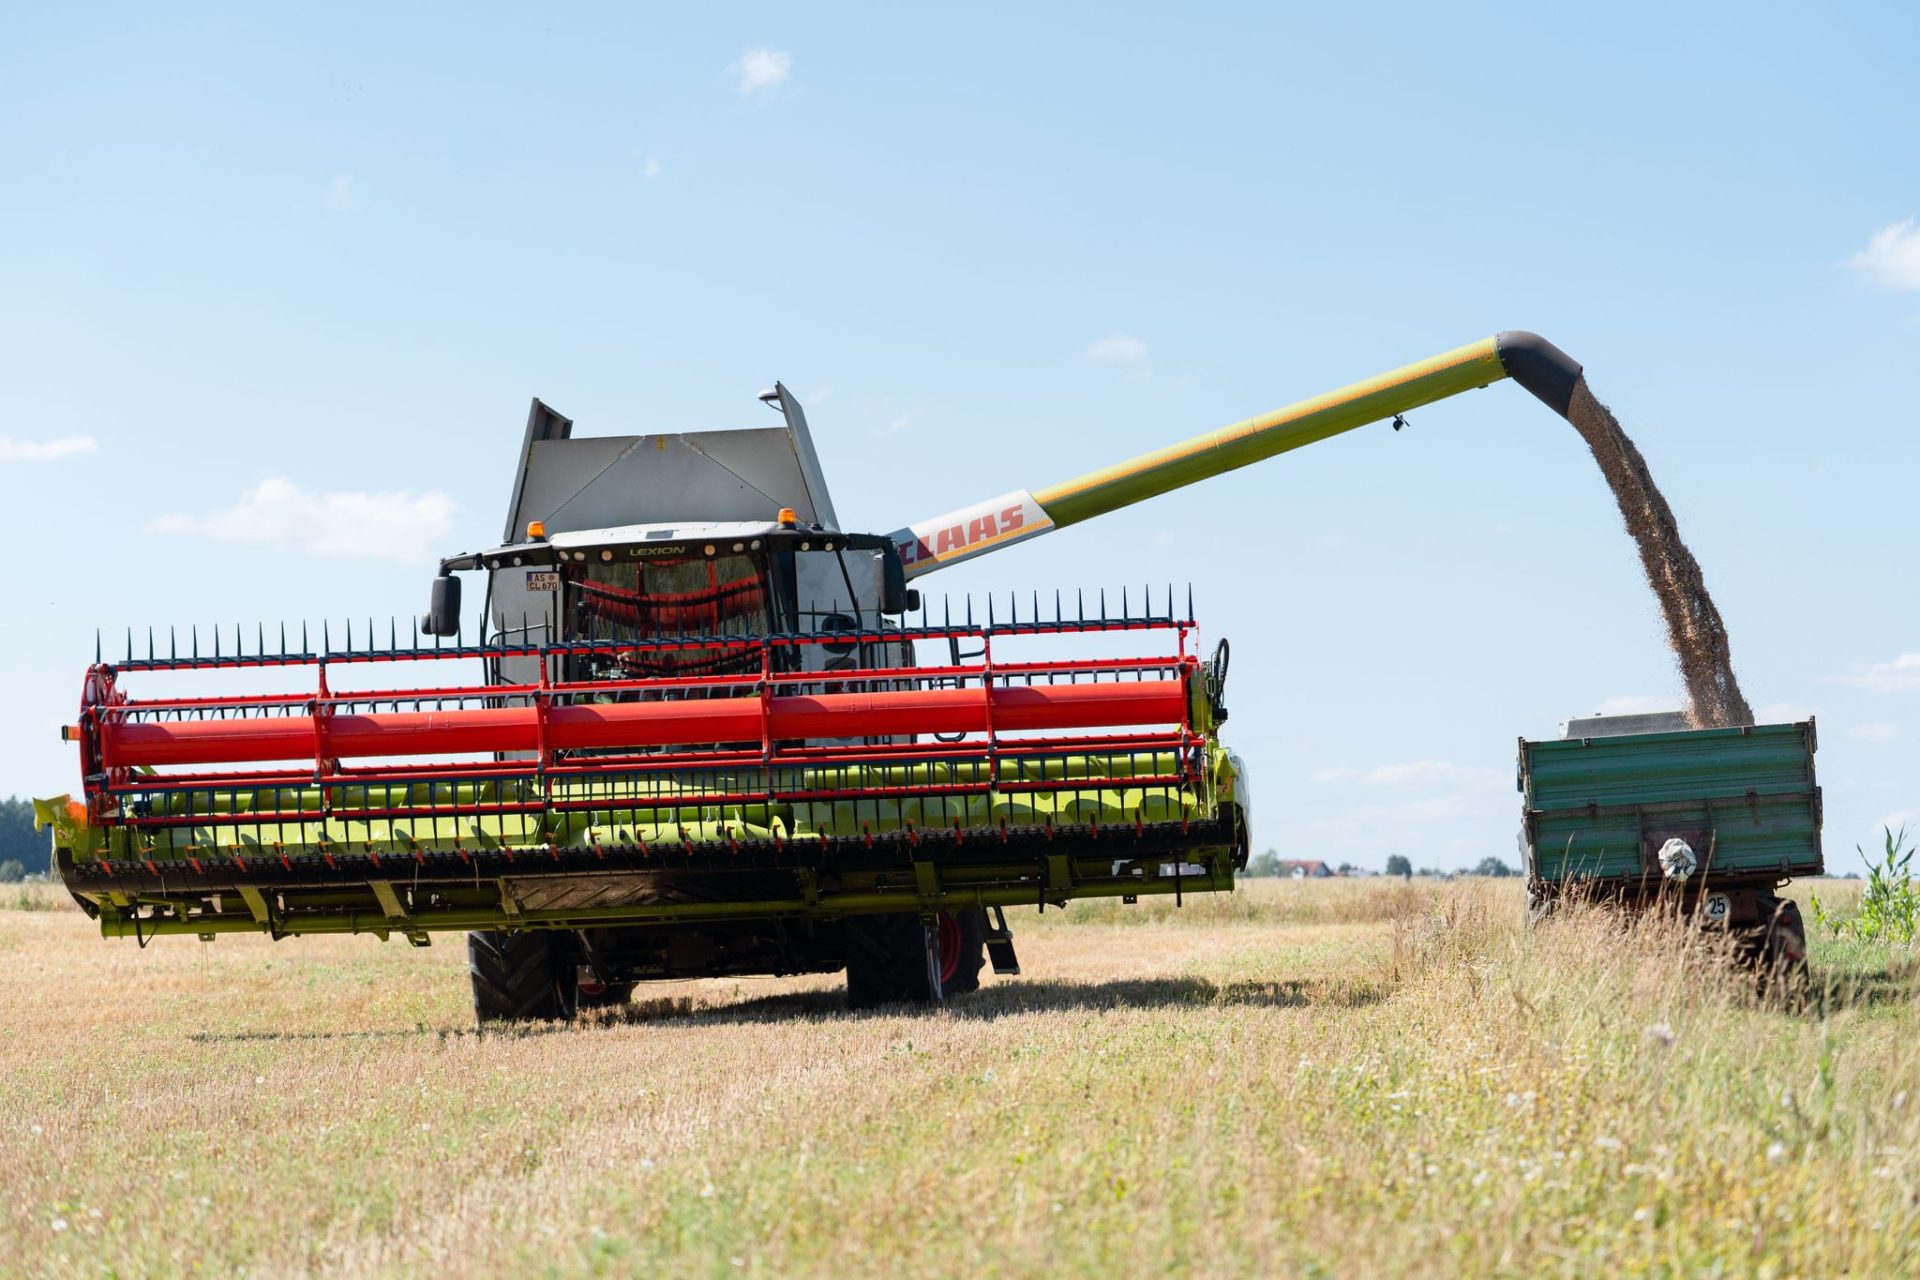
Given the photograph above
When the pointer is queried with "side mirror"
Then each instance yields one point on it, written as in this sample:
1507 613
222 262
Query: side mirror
443 609
893 584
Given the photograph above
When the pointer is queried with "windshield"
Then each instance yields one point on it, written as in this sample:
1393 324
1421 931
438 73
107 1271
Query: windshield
667 597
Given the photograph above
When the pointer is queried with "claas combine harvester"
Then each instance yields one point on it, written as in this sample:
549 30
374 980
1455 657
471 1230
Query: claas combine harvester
707 738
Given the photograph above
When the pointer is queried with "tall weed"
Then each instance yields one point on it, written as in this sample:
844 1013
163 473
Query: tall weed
1890 908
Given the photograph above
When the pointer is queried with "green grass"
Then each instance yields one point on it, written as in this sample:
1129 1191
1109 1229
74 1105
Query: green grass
1331 1078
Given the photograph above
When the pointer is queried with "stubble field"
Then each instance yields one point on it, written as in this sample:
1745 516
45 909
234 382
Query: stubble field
1351 1078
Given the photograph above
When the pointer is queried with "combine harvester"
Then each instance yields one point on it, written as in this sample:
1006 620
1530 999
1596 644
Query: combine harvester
703 744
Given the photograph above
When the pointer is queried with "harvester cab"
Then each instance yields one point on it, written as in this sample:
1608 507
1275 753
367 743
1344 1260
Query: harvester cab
704 738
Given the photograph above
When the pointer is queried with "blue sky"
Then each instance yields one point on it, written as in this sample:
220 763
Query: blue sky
278 287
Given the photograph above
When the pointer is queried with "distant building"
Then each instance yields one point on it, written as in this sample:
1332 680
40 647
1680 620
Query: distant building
1303 869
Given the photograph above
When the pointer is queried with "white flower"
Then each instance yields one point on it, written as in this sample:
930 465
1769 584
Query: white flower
59 1224
1642 1214
1660 1033
1776 1152
1606 1143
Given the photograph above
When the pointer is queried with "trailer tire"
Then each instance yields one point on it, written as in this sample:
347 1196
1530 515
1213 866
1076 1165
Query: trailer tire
887 959
1783 950
529 975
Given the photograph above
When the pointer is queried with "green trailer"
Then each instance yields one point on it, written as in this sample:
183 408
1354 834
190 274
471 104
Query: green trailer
1642 809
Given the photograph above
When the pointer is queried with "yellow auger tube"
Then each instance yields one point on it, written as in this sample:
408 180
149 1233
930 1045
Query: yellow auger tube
1527 358
1372 400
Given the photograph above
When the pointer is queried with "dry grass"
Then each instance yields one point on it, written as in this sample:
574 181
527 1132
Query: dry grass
1305 1078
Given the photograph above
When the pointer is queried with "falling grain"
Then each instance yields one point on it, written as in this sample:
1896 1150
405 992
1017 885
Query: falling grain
1694 628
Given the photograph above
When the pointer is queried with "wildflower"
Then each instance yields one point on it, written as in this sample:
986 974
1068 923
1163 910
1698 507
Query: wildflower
1661 1034
1776 1152
1642 1214
259 1079
1606 1143
37 1129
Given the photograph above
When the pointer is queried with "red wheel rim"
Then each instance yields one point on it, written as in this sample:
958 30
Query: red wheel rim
949 947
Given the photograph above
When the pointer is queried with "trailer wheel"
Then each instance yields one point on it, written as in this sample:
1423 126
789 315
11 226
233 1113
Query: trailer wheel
527 976
1783 951
887 958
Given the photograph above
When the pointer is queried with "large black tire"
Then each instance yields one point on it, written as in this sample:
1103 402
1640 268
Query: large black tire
528 976
887 959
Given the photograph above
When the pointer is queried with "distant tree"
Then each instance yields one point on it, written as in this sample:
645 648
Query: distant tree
19 842
1346 868
1265 864
1397 865
11 872
1492 867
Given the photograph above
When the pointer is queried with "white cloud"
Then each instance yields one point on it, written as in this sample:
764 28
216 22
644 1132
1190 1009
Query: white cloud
894 426
1415 773
401 525
1891 259
1394 775
1120 348
1781 713
761 70
1874 731
341 195
651 169
1441 807
1902 675
12 450
1635 704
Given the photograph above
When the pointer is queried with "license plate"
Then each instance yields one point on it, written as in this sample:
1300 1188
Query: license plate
543 582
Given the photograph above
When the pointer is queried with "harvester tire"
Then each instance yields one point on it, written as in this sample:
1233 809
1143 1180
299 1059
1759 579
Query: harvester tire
608 996
887 959
528 976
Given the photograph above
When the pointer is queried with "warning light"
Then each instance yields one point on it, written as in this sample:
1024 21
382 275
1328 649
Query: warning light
787 518
536 529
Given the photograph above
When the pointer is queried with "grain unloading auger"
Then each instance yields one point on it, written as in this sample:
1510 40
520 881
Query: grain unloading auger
703 744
